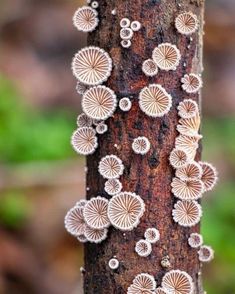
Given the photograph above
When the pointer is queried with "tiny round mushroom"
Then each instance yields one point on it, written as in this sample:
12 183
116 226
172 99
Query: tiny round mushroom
99 102
82 238
195 240
125 104
209 176
154 100
178 158
92 66
95 236
186 23
177 281
84 141
191 83
113 263
187 213
205 253
126 43
135 25
125 22
144 283
113 186
84 120
85 19
95 4
149 68
152 235
125 210
141 145
101 128
126 33
187 189
74 221
166 56
143 248
95 213
111 167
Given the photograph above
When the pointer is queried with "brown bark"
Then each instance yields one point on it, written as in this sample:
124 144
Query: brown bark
150 175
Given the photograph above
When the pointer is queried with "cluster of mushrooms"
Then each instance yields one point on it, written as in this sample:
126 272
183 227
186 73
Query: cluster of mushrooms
89 220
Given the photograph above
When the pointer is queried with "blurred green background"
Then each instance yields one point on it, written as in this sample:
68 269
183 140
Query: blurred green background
40 176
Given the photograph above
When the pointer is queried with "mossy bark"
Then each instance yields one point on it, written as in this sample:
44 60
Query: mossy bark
150 175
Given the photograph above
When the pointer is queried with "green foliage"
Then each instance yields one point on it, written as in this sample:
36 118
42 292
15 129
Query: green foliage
218 221
28 135
219 139
14 209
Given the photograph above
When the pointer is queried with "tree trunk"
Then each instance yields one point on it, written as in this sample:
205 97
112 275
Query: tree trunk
149 176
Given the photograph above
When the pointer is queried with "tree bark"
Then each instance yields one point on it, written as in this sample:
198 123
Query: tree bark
149 176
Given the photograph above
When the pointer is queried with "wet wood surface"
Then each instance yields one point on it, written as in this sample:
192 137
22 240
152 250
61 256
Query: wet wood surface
149 176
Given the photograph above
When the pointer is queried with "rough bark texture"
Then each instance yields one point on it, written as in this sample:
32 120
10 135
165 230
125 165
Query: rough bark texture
150 175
